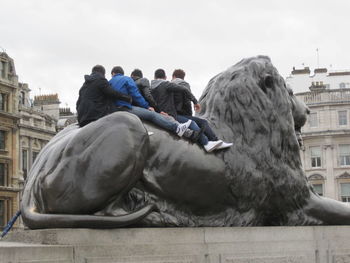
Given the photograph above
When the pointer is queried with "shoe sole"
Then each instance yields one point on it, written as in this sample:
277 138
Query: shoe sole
216 146
223 147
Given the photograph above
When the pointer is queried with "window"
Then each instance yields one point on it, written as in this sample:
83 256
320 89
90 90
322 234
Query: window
343 117
313 121
315 152
25 163
22 98
3 174
2 213
342 85
2 69
34 155
2 140
344 154
3 101
345 192
318 189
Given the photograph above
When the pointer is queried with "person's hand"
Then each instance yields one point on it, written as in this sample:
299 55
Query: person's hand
197 107
150 108
164 113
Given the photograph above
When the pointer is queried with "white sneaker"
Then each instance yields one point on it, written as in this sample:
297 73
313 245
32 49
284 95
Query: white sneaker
212 145
150 133
182 127
224 145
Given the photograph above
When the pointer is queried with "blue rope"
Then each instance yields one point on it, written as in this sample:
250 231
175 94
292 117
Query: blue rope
10 224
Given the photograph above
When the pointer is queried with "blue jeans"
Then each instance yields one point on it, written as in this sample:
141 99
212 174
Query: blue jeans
203 140
202 123
154 117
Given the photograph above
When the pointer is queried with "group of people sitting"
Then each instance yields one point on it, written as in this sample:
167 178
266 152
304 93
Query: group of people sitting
167 104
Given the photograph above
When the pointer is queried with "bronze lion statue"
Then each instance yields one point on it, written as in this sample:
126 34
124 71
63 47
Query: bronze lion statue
111 173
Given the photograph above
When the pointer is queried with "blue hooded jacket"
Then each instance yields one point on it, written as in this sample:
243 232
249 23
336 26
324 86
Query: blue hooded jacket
127 86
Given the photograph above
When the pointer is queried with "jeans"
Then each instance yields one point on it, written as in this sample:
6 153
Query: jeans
202 123
203 140
154 117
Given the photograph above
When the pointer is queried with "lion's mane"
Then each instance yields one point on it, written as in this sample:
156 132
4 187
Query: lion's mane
249 104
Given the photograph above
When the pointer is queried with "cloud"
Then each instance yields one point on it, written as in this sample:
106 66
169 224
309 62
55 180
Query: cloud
54 43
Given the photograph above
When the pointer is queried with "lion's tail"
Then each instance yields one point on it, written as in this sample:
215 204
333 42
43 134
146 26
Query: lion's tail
35 220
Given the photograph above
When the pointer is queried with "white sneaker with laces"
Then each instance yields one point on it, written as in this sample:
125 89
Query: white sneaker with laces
212 145
182 128
224 145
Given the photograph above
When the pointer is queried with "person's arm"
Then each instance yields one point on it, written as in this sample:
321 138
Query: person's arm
146 92
178 88
136 95
111 93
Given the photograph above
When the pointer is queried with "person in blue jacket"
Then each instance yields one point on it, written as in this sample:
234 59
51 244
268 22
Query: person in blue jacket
126 85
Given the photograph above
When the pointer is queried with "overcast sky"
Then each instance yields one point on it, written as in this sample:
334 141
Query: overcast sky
54 43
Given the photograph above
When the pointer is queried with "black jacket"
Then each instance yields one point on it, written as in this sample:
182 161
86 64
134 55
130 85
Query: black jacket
163 93
182 100
144 88
96 99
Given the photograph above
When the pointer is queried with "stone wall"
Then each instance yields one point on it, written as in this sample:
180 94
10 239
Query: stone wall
321 244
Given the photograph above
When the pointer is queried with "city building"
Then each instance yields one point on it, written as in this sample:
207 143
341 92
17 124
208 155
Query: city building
326 135
9 144
25 128
49 104
36 128
66 118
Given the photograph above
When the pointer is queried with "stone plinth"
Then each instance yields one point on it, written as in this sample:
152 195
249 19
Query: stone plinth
328 244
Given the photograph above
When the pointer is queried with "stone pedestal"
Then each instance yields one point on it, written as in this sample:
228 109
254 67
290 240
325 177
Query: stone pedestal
328 244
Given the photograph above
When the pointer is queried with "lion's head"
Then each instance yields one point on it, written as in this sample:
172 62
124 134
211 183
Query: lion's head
250 105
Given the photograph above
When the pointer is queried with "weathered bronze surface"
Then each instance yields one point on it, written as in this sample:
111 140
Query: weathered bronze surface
112 174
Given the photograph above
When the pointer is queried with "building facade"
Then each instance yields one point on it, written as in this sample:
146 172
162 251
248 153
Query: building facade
9 119
36 128
326 152
24 131
67 117
49 104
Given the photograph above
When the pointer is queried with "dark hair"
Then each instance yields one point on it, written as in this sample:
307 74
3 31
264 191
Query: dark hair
117 70
179 73
98 69
159 74
137 73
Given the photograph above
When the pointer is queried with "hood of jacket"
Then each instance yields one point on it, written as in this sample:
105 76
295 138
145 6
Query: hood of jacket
156 82
93 76
182 83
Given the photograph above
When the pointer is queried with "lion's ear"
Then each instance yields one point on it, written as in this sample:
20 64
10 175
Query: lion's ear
266 82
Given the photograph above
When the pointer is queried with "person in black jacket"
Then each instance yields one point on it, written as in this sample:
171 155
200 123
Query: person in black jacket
184 107
163 93
96 97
